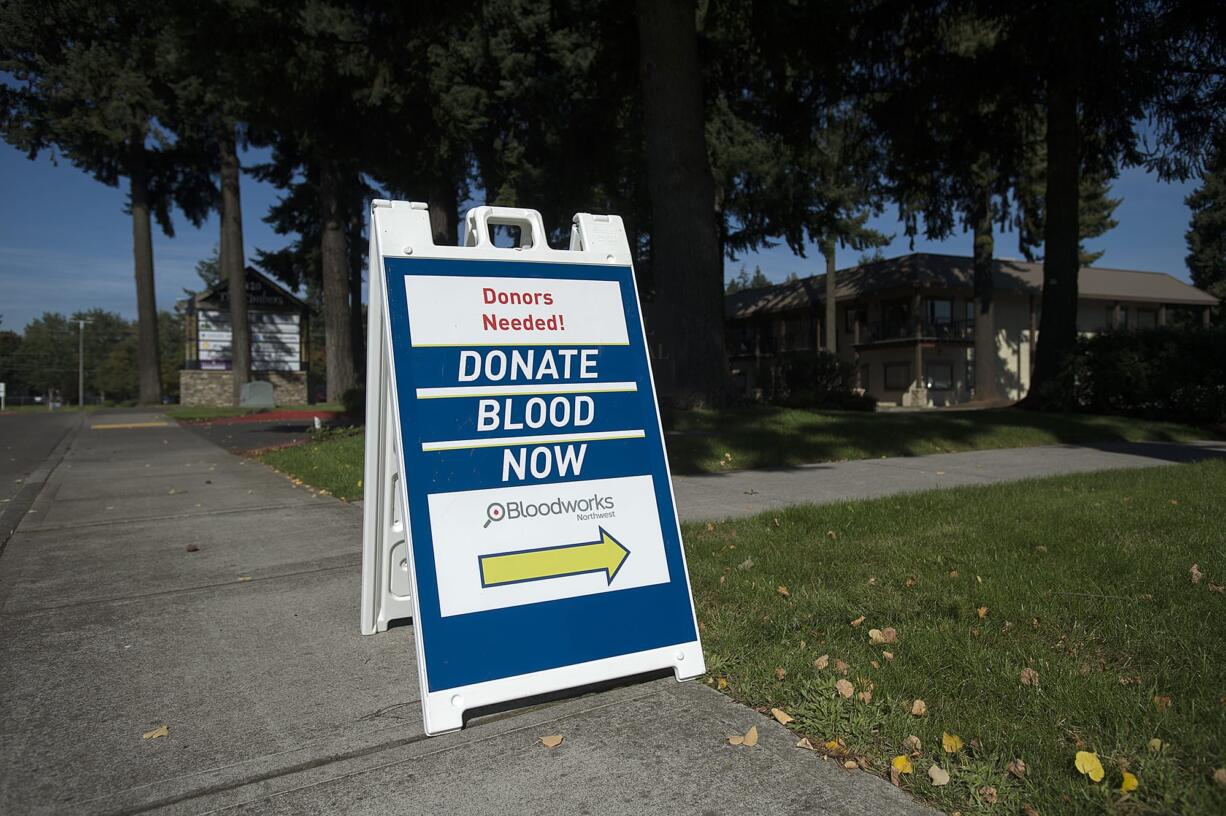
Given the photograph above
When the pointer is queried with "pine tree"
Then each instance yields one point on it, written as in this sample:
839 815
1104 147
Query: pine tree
1206 235
90 85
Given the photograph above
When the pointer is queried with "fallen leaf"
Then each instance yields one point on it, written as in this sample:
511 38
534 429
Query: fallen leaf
710 527
1129 783
840 667
988 793
1219 776
845 688
552 741
858 621
1029 677
910 582
1162 702
831 534
1218 588
1174 501
888 655
879 636
919 708
913 744
244 578
979 578
822 662
1028 810
952 743
782 716
872 581
746 564
157 733
1196 574
1087 762
953 573
804 743
751 736
866 696
802 645
895 778
1130 680
938 775
782 590
901 763
974 631
735 739
834 746
874 664
780 673
1016 768
982 612
721 683
851 765
1156 745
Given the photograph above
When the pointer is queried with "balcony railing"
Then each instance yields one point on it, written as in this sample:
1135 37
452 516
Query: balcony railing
887 331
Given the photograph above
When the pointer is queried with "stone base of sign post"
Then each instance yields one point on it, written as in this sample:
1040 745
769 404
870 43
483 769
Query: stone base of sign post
217 387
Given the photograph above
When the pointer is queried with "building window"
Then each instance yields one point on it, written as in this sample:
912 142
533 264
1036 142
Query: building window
970 370
897 376
970 313
1123 318
939 376
849 318
940 311
1147 318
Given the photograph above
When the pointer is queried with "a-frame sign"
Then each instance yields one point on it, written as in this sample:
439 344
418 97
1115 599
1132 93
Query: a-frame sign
518 504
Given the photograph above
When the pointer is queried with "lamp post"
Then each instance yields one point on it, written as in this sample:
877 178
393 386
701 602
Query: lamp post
81 362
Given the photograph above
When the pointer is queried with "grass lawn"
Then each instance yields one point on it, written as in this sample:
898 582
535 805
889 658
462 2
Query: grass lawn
201 413
333 461
756 437
1085 579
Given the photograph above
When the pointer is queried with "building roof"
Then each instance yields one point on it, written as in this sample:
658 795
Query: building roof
931 271
262 293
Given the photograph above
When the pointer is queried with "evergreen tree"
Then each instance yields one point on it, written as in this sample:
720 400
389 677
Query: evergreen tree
90 84
1206 235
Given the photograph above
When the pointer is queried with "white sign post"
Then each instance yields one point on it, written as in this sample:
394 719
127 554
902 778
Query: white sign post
518 504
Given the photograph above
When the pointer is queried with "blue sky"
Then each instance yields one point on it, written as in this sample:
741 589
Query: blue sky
66 244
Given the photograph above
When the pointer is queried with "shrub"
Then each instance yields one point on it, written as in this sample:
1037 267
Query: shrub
354 401
1167 373
820 380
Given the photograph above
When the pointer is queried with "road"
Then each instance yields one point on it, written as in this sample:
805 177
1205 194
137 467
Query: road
26 440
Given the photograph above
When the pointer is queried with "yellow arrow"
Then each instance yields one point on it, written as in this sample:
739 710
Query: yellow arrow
604 555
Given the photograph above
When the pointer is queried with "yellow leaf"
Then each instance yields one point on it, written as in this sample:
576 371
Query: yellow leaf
160 731
552 741
1162 702
751 736
901 763
721 683
1129 783
983 612
952 743
782 590
1155 745
782 716
919 708
833 745
1087 762
822 662
845 688
858 621
938 775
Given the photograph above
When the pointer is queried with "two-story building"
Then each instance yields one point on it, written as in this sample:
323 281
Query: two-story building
908 323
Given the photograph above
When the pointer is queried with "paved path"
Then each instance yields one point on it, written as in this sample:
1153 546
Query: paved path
729 495
27 440
156 579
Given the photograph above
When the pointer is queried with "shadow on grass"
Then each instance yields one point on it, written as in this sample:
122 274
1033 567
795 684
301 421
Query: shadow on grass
772 437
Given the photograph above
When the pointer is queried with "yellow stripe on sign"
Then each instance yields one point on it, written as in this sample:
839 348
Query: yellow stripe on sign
116 426
605 555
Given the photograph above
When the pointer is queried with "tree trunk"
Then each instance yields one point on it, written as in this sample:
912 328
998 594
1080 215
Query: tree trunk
147 358
832 324
1061 261
233 263
338 344
987 383
443 204
685 260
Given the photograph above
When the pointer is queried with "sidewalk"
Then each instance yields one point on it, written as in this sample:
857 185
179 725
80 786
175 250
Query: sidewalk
156 579
743 493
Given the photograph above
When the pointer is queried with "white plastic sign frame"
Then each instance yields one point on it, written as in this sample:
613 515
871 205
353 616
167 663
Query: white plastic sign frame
527 527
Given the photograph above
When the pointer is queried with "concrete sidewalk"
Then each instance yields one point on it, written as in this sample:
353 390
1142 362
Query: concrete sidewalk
743 493
158 580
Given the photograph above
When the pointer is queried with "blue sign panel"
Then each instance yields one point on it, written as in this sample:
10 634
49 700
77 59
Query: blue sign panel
541 517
